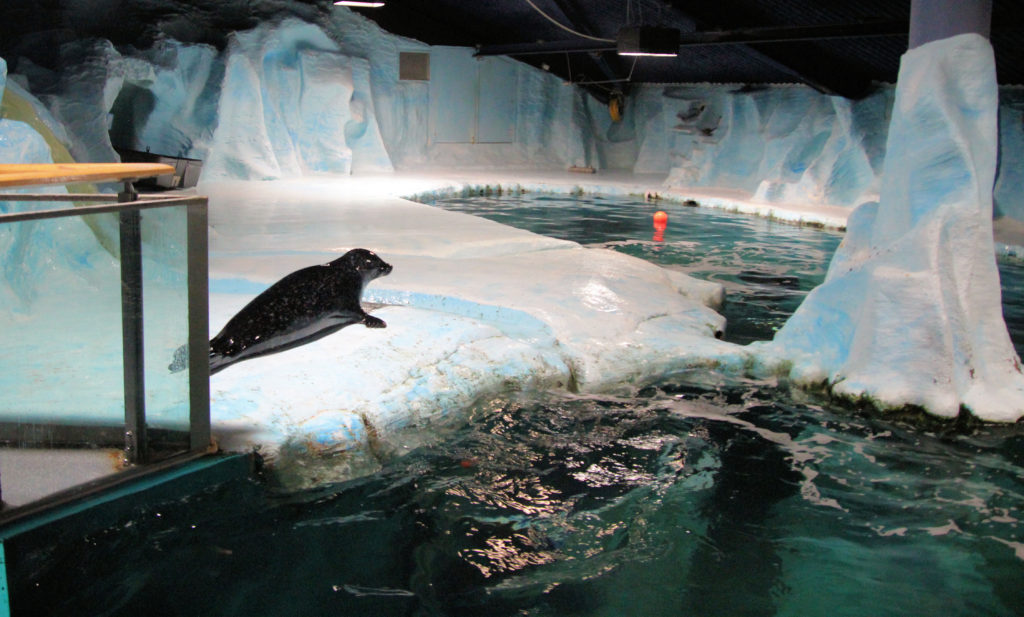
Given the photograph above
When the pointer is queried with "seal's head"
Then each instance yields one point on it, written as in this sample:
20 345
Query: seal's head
365 262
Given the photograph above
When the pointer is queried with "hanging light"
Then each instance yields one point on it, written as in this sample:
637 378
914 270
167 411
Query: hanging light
648 41
366 4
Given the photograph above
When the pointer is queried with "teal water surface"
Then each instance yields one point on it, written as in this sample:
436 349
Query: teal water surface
698 497
765 266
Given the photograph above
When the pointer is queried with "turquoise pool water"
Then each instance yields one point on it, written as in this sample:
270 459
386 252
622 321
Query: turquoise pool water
701 495
765 266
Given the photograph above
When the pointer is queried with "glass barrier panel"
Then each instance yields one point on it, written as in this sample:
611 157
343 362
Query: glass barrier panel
61 373
60 305
165 324
64 340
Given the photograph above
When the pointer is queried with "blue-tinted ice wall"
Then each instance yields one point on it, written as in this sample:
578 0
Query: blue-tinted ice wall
293 98
1009 191
779 144
791 144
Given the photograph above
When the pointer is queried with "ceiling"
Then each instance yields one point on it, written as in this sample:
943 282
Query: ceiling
842 47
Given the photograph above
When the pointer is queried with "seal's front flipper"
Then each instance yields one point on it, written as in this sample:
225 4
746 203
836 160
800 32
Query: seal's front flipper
374 322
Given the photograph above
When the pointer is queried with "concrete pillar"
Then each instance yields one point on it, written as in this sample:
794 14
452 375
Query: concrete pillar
932 20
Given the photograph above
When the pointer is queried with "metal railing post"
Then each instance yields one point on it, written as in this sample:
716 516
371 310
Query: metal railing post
198 328
135 443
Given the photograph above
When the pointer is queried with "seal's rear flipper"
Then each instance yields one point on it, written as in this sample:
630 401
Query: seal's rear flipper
219 362
180 361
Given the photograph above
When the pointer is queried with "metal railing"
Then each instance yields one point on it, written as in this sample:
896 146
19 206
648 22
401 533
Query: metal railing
141 442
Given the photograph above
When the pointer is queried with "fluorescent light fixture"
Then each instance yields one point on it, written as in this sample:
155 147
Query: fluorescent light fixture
366 4
648 41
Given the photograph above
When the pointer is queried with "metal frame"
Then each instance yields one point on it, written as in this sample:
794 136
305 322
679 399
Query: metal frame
198 327
129 207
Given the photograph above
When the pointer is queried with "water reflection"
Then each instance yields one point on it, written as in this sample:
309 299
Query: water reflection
699 497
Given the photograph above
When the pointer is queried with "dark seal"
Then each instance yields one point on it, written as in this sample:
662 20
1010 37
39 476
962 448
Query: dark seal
304 306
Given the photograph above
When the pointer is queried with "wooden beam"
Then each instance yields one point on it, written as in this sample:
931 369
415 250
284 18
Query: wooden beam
64 173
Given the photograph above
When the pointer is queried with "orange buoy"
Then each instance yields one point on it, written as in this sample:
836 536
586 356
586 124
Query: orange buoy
660 220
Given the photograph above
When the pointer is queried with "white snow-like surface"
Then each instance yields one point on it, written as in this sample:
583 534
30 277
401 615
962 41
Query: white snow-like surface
910 311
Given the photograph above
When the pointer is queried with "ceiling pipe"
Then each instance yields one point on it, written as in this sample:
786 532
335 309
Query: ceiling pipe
932 20
608 64
740 36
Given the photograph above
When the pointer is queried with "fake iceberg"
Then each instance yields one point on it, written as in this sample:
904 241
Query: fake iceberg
910 311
